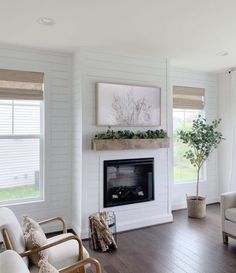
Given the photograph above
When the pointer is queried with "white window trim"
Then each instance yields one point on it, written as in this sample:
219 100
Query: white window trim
42 151
41 197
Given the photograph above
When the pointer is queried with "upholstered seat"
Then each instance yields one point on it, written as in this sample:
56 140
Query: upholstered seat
9 222
230 214
64 254
11 262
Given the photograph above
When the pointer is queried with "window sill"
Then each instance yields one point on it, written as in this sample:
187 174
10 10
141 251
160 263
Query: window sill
21 202
184 182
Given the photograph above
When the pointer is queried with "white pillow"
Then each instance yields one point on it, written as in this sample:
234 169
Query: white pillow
46 267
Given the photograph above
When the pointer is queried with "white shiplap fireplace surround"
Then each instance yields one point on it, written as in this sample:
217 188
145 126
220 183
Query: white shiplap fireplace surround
92 66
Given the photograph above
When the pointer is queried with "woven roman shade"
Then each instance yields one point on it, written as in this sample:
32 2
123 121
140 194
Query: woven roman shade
21 85
188 97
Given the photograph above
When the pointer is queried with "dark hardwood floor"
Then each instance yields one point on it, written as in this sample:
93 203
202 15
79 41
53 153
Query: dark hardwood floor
186 245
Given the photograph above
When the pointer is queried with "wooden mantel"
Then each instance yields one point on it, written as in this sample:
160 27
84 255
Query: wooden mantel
129 144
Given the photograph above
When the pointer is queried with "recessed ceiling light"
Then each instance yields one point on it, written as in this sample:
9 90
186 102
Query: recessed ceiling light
222 53
46 21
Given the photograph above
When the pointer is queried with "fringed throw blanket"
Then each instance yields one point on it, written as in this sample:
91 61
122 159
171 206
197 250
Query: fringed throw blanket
101 237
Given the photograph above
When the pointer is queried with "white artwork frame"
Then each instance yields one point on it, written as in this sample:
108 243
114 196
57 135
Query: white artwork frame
128 105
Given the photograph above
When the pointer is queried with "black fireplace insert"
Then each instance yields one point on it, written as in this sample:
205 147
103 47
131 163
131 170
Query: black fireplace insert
128 181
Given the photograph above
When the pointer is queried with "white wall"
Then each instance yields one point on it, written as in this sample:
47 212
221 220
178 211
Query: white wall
77 145
97 66
57 69
210 187
225 114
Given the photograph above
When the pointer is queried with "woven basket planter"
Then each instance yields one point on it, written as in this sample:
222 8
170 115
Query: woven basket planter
196 207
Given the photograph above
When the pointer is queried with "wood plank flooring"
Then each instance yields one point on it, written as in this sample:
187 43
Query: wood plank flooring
185 246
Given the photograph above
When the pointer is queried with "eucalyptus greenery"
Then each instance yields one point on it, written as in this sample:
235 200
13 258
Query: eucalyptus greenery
201 139
127 134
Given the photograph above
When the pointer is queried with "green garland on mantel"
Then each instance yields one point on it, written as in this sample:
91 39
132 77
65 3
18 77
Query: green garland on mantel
127 134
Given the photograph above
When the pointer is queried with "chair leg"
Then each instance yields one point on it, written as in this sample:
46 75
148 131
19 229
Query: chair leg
225 238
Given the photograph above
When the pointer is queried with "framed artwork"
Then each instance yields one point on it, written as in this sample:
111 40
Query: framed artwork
128 105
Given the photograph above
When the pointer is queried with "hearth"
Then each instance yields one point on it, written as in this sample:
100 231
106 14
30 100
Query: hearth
128 181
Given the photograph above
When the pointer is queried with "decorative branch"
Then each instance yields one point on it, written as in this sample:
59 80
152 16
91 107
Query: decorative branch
129 110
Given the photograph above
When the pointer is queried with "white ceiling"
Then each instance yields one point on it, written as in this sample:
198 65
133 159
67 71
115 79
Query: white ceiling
189 32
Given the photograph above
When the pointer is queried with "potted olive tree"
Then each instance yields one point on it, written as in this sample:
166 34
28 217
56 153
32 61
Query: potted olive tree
201 140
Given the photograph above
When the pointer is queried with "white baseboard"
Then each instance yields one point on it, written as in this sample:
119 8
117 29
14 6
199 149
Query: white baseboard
145 222
183 205
139 223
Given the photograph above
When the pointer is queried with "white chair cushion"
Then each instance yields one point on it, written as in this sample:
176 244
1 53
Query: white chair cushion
230 227
11 262
66 253
230 214
9 221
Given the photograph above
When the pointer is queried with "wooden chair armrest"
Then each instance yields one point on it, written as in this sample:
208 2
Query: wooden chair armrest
6 239
82 263
72 237
55 219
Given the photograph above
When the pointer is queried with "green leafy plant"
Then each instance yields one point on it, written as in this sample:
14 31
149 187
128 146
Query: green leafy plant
127 134
202 139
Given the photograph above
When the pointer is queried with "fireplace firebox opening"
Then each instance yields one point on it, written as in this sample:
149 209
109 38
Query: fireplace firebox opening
128 181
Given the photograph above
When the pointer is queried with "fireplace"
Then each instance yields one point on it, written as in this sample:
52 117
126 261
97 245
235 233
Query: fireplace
128 181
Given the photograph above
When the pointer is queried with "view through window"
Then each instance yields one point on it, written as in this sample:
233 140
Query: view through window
183 170
20 152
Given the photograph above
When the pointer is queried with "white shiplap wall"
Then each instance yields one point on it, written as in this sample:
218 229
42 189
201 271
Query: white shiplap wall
77 144
210 187
92 66
225 113
57 68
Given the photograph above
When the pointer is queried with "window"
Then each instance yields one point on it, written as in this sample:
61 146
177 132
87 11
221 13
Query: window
21 166
183 170
188 103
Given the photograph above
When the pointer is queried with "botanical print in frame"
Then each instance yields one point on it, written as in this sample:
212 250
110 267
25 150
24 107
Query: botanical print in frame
128 105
